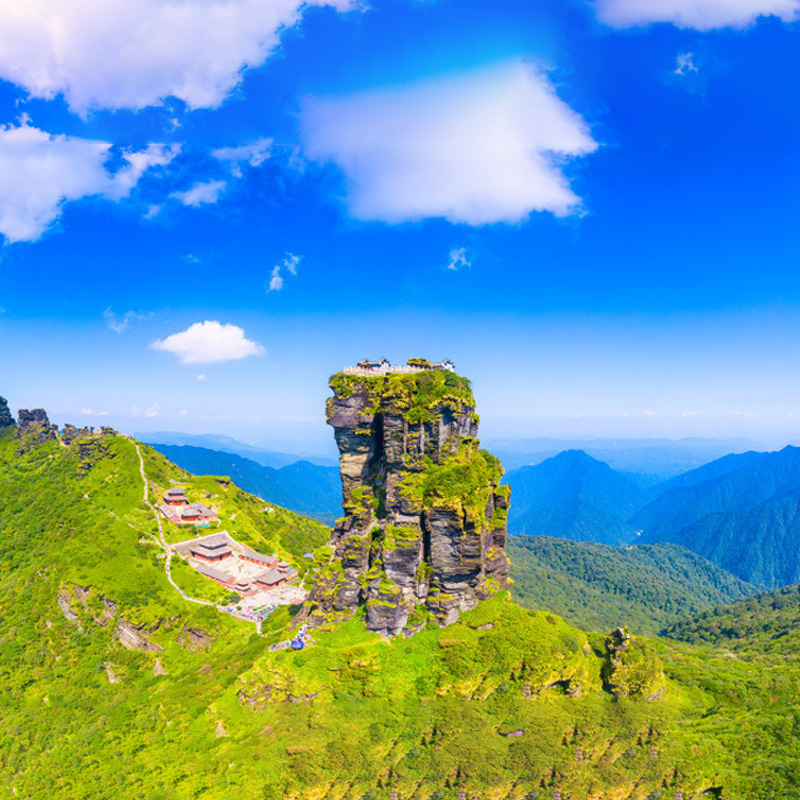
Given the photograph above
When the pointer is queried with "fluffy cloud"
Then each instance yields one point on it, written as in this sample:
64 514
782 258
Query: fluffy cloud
40 172
458 259
698 14
483 147
289 263
201 193
134 53
254 154
209 342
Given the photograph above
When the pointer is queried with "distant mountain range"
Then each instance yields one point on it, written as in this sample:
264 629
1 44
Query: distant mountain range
649 460
742 512
574 496
267 458
302 487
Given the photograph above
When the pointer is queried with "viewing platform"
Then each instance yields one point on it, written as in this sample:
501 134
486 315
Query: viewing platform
370 369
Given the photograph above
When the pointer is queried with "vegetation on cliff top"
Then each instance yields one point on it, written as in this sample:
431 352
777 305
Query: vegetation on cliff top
417 396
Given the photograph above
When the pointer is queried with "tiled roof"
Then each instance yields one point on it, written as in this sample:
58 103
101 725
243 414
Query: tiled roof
213 540
254 554
270 577
214 574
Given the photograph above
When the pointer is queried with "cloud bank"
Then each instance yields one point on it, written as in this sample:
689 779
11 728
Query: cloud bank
209 342
134 53
482 147
40 172
697 14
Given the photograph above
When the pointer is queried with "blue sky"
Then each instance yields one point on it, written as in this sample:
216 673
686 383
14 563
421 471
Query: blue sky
207 207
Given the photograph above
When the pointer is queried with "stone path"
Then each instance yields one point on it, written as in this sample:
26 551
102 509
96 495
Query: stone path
168 549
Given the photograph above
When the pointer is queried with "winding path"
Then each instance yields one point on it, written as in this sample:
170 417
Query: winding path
168 548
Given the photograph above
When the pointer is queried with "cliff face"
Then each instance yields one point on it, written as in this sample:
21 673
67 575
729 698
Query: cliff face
425 519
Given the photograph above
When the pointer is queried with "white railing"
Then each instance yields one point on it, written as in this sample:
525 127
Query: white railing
394 370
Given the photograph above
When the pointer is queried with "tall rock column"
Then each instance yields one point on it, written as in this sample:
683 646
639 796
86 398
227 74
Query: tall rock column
424 529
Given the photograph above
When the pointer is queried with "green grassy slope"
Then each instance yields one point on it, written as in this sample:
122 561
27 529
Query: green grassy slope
507 703
598 587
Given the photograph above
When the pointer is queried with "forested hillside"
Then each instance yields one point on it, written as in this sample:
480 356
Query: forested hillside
764 623
598 587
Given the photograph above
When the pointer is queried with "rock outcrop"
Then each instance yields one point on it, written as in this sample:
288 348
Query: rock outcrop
35 425
632 667
425 517
70 433
6 420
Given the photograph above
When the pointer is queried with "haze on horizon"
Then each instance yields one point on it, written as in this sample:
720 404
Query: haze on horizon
589 207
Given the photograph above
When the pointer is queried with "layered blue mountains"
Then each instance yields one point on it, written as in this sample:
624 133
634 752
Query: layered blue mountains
575 496
309 489
740 512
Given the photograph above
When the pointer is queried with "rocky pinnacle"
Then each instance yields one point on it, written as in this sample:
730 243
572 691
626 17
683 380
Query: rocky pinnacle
424 529
6 420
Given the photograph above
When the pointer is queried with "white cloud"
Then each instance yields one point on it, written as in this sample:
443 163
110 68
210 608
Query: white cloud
458 258
254 154
290 263
40 172
134 53
201 376
120 324
209 342
201 193
482 147
152 411
698 14
90 412
685 64
275 280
